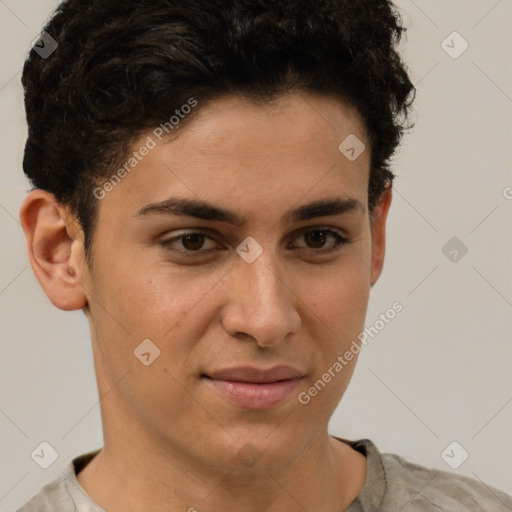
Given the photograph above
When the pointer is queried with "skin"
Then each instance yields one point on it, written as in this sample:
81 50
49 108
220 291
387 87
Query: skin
171 442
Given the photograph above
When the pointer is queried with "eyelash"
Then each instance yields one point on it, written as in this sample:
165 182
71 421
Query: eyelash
339 239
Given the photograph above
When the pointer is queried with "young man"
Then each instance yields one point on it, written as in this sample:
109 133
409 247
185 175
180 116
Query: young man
211 188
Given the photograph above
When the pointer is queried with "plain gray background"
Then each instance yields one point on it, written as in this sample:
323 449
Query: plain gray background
441 371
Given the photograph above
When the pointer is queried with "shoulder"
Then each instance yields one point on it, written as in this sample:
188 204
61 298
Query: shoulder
420 488
395 484
64 494
53 497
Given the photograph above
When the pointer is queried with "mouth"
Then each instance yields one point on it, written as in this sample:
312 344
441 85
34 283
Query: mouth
255 388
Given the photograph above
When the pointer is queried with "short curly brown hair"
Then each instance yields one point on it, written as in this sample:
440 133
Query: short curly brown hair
122 66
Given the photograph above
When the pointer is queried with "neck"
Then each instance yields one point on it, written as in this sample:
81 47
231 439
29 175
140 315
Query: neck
328 477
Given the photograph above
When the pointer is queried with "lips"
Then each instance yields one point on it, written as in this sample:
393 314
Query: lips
255 375
255 388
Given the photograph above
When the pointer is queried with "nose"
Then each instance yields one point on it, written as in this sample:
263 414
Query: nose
261 303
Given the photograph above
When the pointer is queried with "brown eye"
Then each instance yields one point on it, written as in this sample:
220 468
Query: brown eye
316 239
193 242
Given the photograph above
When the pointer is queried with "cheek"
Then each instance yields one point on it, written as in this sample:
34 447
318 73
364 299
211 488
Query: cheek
151 297
339 294
131 307
335 305
336 311
341 299
171 307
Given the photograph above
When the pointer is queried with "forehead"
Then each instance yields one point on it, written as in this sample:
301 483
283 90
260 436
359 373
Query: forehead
288 119
249 155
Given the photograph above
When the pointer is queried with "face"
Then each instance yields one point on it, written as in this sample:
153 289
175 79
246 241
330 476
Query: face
247 300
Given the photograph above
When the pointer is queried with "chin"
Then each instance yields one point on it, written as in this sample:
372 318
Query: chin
261 447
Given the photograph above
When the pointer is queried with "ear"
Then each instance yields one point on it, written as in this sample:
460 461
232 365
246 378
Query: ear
55 249
378 229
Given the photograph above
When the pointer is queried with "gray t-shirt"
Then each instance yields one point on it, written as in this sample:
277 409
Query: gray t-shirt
392 485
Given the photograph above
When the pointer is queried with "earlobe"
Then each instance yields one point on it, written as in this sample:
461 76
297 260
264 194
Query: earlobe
378 228
55 249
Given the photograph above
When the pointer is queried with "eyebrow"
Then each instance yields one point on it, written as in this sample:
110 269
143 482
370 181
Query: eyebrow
208 211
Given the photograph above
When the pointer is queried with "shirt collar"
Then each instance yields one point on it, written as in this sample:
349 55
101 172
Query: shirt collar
369 499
